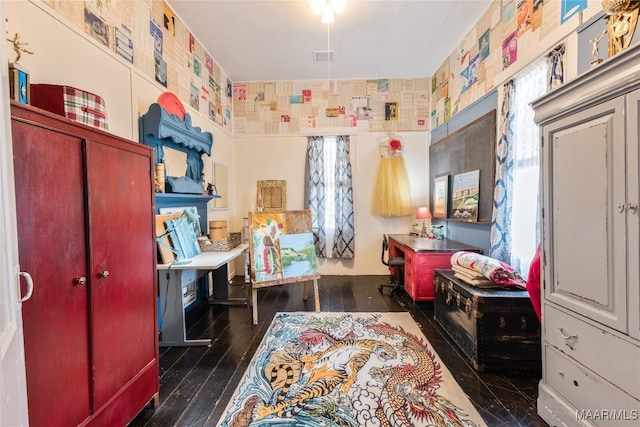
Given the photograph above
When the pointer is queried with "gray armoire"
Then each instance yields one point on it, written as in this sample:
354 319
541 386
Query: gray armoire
591 246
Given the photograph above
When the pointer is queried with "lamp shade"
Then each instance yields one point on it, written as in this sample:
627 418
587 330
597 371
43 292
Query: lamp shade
423 213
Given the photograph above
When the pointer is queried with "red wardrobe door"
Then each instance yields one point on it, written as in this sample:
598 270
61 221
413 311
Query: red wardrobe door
50 202
122 252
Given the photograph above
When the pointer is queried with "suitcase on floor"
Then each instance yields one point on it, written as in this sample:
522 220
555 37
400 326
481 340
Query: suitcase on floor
494 328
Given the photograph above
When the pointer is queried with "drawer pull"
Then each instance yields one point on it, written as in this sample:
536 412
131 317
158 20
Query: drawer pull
467 307
458 299
569 340
449 298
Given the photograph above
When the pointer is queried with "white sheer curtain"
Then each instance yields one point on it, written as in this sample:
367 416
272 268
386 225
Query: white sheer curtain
530 84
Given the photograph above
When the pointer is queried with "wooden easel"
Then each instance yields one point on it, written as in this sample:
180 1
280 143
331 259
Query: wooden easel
295 222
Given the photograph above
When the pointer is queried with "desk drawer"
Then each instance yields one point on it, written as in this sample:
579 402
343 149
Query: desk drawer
410 274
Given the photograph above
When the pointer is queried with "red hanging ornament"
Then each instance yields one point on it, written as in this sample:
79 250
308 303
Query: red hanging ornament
395 144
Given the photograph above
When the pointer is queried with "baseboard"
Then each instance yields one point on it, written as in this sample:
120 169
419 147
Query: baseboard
556 411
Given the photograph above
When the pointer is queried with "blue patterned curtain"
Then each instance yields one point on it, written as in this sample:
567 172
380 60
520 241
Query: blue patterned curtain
500 242
329 195
343 241
555 68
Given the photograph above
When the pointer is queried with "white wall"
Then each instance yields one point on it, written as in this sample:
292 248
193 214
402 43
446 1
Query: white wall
283 158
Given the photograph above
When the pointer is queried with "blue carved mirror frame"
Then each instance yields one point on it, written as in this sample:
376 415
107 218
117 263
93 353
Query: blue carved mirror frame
160 130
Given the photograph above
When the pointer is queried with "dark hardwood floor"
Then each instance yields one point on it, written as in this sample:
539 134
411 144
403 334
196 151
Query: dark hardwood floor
197 382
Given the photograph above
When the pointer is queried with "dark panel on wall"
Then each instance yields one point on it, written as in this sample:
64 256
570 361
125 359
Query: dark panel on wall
468 149
478 108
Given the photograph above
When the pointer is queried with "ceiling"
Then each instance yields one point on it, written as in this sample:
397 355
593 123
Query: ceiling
267 40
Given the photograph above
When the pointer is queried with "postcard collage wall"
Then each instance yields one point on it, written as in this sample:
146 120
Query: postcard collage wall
286 107
507 28
149 35
281 246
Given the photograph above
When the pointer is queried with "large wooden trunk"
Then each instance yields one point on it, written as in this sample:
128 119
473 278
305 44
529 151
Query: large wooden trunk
495 328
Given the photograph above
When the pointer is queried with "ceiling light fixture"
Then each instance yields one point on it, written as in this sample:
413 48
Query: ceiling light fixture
326 8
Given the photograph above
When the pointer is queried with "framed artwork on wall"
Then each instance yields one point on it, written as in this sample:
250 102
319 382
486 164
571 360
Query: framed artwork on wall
272 195
466 189
441 197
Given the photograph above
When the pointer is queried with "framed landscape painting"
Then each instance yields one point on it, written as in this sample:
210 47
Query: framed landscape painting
298 255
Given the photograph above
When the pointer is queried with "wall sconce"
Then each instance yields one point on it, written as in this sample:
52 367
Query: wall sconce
622 17
424 214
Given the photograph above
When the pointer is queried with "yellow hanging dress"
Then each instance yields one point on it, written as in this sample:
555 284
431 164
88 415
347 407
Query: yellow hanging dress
391 191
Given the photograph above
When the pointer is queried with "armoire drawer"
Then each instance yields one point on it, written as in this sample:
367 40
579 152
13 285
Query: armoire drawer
592 347
588 392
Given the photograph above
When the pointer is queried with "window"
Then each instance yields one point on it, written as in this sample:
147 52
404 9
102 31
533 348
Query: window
329 195
515 222
529 85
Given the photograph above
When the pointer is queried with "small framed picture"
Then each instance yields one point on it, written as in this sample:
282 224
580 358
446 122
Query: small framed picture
441 197
18 83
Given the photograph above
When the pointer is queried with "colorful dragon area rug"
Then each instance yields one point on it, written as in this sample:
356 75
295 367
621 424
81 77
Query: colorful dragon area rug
347 369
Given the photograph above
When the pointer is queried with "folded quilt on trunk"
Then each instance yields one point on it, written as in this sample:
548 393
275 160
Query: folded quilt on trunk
494 270
473 278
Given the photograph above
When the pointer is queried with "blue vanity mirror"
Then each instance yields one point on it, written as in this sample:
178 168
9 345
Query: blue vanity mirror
164 131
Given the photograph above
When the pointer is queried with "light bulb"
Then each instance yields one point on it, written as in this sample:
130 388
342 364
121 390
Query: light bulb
327 15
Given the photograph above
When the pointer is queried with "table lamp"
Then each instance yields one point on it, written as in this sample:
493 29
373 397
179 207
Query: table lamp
424 213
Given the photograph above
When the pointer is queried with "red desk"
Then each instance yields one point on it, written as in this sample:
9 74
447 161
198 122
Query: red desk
421 257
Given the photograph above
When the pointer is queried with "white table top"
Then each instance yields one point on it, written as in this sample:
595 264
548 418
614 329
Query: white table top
207 260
